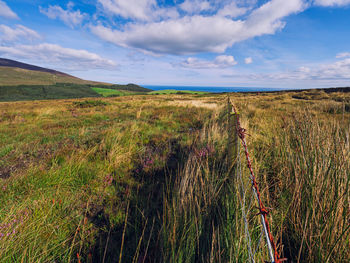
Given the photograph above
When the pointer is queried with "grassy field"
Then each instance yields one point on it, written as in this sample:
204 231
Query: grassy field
145 178
112 92
58 91
107 92
66 91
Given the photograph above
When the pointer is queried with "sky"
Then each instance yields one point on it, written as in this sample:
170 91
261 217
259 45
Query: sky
223 43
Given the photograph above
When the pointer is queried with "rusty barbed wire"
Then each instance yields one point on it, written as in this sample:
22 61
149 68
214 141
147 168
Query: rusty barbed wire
274 256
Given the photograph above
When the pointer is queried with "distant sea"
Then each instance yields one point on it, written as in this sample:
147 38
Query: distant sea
212 89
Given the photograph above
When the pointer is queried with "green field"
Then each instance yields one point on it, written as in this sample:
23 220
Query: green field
145 178
45 92
66 91
112 92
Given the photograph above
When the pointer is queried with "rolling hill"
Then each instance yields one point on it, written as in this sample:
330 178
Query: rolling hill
21 81
13 73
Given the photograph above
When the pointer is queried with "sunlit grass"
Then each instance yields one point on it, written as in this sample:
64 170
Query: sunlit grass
112 92
144 178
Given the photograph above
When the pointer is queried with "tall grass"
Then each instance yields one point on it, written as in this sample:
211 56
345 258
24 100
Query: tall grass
313 162
66 169
304 165
147 180
197 216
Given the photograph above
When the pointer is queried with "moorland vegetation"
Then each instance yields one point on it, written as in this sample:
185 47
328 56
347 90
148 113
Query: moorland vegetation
145 178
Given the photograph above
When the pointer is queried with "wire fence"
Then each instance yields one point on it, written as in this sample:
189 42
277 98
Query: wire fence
237 132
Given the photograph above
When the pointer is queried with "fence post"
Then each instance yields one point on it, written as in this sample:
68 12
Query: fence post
232 139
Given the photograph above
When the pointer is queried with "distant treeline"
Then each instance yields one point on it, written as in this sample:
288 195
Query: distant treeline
59 91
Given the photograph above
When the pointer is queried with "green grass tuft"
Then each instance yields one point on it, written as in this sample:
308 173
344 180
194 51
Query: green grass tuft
90 103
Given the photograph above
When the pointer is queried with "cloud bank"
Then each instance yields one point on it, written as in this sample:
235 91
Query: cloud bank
73 59
335 71
193 33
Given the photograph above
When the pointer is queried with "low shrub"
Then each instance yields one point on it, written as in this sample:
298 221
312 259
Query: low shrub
89 103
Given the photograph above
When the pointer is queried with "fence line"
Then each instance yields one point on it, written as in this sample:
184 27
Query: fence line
235 132
242 197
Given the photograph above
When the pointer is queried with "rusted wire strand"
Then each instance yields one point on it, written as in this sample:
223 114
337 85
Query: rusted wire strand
243 206
273 253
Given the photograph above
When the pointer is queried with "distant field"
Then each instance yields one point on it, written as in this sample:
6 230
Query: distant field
112 92
45 92
74 90
170 91
66 91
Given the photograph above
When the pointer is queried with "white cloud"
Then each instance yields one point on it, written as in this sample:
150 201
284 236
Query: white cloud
248 60
71 58
332 2
267 18
5 11
336 71
69 17
181 36
144 10
343 55
198 33
195 6
330 71
19 32
222 61
232 10
304 70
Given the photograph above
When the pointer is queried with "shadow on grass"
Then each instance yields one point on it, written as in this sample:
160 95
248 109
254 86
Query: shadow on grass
142 241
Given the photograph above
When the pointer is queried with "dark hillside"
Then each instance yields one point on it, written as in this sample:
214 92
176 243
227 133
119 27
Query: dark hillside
16 64
14 73
45 92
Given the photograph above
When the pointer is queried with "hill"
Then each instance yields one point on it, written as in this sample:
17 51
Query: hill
16 64
13 73
21 81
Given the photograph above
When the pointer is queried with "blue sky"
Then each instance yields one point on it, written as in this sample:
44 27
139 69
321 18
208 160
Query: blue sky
266 43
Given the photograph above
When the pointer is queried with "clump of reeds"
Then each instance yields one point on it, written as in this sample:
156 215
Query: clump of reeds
307 168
